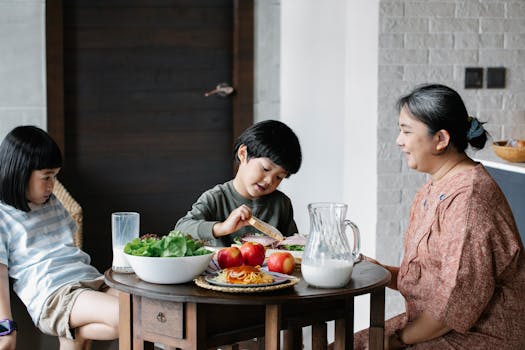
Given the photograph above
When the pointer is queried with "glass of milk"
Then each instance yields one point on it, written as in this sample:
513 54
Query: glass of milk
124 228
328 257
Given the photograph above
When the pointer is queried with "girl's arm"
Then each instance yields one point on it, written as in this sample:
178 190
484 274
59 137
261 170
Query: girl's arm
394 270
7 341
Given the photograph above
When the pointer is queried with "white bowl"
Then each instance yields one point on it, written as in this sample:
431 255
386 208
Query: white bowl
170 270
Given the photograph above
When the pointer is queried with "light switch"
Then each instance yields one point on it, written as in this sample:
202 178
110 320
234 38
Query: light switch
473 78
495 78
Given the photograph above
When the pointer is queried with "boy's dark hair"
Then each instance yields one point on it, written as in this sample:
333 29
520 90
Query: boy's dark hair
24 149
274 140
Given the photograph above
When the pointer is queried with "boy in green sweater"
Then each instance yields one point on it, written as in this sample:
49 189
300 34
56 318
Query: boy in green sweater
267 152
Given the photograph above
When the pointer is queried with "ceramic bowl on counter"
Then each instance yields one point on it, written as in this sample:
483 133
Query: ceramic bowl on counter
511 151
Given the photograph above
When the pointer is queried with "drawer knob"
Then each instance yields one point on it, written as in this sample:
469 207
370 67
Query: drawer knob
161 317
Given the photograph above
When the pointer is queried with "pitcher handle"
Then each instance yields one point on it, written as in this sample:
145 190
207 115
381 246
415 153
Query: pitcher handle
357 239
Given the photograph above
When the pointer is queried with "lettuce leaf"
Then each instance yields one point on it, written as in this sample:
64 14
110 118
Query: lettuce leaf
174 244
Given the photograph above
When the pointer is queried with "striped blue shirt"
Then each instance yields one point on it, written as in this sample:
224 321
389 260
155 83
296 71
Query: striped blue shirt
38 249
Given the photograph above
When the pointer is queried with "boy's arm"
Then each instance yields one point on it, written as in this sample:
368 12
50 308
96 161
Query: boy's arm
237 219
199 221
195 224
7 341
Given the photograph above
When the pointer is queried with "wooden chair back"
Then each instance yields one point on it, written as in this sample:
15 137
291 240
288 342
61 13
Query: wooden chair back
74 209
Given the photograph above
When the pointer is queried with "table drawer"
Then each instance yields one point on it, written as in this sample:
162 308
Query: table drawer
162 317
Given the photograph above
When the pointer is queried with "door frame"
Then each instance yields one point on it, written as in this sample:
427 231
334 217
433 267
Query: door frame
242 79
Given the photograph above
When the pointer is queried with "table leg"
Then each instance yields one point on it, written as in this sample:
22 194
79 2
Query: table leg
125 321
377 320
196 326
344 327
272 322
319 339
293 338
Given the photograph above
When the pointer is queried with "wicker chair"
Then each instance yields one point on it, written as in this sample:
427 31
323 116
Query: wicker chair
74 209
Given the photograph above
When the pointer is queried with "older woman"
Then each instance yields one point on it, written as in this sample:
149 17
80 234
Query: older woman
463 271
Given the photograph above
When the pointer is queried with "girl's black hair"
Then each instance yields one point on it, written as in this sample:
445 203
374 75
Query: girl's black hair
440 107
274 140
24 149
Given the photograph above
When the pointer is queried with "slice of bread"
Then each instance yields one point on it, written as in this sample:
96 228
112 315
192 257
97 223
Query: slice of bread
265 228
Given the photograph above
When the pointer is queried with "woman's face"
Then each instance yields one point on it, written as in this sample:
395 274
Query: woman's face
40 187
416 143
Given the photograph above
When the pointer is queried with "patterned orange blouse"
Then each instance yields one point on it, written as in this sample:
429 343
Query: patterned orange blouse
464 264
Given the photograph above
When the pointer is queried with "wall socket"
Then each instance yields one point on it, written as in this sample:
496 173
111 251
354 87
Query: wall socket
495 78
473 78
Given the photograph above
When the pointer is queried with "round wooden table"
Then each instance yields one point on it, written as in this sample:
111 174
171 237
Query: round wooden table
186 316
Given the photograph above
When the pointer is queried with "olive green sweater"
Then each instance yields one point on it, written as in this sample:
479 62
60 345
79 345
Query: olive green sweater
216 204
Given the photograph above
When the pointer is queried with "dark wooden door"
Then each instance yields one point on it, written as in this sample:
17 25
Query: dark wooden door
138 133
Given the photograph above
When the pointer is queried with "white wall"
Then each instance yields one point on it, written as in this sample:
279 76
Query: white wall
22 64
329 97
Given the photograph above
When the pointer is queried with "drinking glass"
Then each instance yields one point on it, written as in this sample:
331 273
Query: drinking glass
124 228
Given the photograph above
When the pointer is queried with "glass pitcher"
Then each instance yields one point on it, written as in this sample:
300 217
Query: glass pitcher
328 258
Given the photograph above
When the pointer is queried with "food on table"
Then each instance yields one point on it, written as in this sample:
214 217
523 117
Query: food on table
295 242
244 274
253 254
266 228
174 244
282 262
229 257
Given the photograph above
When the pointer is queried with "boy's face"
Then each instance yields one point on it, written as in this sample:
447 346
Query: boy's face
257 177
40 187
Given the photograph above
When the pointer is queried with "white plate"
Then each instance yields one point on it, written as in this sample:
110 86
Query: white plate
278 278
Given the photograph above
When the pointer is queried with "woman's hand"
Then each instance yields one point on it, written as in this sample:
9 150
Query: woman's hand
393 342
236 220
394 270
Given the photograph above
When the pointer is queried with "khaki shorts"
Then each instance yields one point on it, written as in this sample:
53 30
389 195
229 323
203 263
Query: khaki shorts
54 319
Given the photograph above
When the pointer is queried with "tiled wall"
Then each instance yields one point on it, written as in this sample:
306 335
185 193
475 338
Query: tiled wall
433 41
22 64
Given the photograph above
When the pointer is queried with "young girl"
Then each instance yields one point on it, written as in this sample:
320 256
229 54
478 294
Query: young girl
64 295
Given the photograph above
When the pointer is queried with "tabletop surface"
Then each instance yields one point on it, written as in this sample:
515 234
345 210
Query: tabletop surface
365 278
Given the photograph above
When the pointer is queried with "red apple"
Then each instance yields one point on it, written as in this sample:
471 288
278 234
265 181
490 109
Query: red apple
229 257
252 253
282 262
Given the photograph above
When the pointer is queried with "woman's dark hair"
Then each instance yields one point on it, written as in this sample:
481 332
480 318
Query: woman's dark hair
274 140
440 107
24 149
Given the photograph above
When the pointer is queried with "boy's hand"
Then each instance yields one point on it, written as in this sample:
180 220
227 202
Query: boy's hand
237 219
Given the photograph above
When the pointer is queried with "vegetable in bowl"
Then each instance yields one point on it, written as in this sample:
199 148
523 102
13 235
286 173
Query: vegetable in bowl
174 244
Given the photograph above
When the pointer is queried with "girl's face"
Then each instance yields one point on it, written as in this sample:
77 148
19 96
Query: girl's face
40 187
417 144
257 177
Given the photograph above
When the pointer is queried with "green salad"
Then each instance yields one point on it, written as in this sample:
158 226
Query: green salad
174 244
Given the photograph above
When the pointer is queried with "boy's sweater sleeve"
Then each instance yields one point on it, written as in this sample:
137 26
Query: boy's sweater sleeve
290 227
199 221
